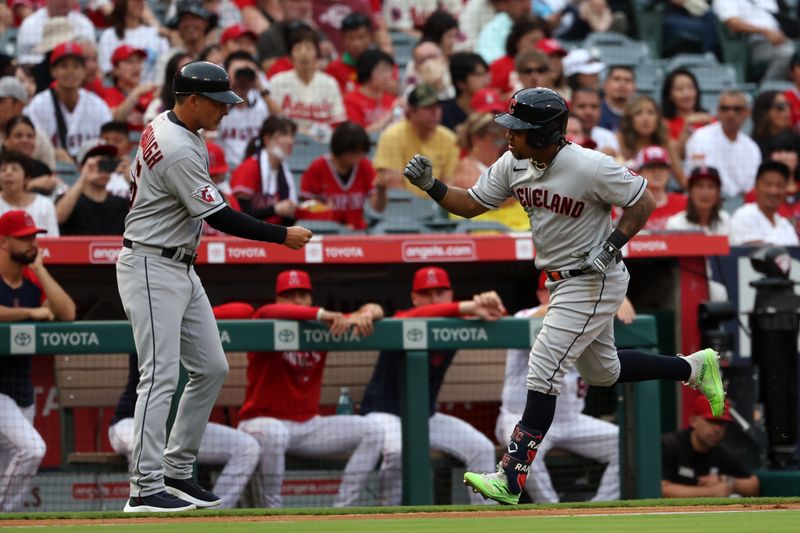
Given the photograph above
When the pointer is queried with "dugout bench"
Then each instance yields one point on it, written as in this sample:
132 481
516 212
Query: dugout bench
413 336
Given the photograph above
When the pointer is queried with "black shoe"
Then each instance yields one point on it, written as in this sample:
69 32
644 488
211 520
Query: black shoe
192 492
160 502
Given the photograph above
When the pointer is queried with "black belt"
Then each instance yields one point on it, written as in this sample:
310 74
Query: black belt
176 254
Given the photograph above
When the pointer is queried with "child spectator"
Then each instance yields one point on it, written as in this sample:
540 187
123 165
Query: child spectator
653 163
117 134
345 179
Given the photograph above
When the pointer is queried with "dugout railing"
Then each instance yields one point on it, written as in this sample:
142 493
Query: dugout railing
638 408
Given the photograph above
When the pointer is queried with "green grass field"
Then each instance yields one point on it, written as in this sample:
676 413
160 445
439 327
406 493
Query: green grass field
773 520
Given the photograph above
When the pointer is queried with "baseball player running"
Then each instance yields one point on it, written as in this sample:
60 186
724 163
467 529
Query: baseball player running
568 192
171 195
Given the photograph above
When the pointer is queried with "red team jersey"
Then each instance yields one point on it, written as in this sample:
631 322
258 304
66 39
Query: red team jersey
321 182
283 385
343 73
114 97
364 110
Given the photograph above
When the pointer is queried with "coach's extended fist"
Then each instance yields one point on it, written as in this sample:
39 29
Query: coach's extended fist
419 171
297 237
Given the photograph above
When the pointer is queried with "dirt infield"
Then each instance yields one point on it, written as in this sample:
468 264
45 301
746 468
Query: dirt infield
732 508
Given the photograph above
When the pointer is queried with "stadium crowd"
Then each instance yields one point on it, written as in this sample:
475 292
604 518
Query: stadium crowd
338 95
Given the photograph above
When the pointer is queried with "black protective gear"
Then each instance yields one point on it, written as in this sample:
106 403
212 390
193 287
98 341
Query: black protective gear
541 111
207 79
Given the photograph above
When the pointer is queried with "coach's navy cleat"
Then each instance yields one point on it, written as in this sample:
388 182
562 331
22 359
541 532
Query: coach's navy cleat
160 502
192 492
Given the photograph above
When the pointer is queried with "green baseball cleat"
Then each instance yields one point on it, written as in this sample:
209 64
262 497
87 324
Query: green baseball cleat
707 380
491 486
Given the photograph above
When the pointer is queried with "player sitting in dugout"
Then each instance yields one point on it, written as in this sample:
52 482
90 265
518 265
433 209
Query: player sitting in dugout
432 296
281 406
695 463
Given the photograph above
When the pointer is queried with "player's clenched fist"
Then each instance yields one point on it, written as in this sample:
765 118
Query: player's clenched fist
599 258
297 237
419 171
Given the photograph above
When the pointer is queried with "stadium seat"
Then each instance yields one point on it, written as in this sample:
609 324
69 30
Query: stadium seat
323 227
481 226
403 46
649 77
774 85
8 42
648 19
397 226
304 152
713 77
691 60
403 205
616 49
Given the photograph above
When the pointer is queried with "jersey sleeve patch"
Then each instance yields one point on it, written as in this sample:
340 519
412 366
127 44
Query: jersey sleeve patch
207 194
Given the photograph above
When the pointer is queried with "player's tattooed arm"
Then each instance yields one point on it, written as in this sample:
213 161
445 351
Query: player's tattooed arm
459 202
635 217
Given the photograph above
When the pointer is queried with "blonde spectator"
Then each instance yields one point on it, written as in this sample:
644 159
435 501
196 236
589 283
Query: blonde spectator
642 125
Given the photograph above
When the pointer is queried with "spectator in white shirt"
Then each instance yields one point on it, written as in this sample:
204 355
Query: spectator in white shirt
724 146
767 43
585 105
759 223
15 171
31 29
704 206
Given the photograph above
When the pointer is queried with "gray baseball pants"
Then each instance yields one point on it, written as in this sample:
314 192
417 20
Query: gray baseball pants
172 322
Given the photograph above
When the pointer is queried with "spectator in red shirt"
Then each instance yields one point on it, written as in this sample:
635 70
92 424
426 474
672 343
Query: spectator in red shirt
441 28
128 98
218 170
793 94
344 179
524 35
281 406
371 104
263 183
653 163
432 296
356 39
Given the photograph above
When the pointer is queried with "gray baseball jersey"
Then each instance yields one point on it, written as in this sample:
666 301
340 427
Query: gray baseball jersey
569 203
166 303
172 190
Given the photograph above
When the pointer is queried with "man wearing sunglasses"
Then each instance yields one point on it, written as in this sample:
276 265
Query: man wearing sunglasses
724 146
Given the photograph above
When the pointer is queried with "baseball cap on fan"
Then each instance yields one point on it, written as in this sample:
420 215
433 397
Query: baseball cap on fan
18 223
125 52
65 50
652 156
551 47
235 32
430 278
488 100
580 61
289 280
704 173
216 159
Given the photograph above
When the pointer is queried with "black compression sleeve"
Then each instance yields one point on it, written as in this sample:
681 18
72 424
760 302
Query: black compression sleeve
238 224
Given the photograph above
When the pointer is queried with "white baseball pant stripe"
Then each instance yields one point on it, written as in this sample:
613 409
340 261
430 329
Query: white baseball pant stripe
238 451
172 322
319 436
21 451
578 330
585 436
447 434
